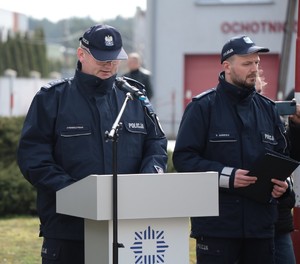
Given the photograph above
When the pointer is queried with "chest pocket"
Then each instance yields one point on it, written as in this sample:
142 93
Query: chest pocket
75 131
75 142
223 147
132 139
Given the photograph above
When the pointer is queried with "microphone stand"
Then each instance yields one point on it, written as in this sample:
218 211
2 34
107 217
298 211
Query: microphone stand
113 136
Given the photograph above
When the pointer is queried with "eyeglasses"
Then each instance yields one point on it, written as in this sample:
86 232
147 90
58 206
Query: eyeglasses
113 62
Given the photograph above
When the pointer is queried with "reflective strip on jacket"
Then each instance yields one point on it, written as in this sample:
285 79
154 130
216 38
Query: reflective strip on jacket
225 128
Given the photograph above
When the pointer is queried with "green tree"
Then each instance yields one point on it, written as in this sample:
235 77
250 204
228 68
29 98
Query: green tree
41 51
7 58
2 56
25 52
16 54
39 59
23 68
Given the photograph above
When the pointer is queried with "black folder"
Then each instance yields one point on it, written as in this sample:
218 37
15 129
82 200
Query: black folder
271 165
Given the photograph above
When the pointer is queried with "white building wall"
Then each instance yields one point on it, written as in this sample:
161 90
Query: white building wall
183 27
16 94
6 20
23 23
12 21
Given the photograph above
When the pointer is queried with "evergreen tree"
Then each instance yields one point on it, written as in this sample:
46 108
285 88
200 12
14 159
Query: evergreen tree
2 54
16 54
8 59
29 51
25 52
33 52
24 61
41 52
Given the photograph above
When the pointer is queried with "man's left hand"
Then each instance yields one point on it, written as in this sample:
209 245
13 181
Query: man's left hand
279 188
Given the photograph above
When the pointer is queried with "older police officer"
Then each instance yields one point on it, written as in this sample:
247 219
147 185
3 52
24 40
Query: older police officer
63 138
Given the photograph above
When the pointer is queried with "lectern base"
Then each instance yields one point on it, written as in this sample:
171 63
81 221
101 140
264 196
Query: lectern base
146 241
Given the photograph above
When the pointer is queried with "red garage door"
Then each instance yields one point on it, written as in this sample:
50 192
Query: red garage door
201 73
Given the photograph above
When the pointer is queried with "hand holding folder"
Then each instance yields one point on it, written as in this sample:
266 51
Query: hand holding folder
270 165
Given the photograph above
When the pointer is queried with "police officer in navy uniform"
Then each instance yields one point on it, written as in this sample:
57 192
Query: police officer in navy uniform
139 73
226 129
63 138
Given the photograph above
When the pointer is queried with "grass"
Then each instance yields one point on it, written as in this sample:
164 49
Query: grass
192 251
20 244
19 241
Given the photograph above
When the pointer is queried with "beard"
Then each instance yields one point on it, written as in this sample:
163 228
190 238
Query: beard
247 82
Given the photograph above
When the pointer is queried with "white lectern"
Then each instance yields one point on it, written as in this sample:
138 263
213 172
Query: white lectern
153 214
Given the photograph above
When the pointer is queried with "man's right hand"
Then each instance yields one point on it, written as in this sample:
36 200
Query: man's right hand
241 179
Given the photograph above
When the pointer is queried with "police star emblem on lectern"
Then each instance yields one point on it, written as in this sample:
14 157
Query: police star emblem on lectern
149 246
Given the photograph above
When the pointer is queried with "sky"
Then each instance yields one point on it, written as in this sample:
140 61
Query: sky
55 10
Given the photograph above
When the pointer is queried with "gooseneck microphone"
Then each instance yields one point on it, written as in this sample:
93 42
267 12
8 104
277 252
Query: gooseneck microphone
123 85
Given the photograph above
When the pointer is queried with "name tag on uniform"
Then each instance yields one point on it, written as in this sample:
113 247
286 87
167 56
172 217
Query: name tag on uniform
222 137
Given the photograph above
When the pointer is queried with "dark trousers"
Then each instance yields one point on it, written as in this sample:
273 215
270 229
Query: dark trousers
284 251
58 251
234 250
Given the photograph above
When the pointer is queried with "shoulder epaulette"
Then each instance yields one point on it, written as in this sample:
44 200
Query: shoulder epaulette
145 71
146 103
197 97
55 83
134 82
267 98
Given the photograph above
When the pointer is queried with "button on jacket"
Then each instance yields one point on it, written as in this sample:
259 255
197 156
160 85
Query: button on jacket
63 140
225 129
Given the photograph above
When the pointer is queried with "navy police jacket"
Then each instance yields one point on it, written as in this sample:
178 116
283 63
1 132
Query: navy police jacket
225 129
63 140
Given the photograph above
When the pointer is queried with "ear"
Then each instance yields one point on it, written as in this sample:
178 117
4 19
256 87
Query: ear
80 54
226 66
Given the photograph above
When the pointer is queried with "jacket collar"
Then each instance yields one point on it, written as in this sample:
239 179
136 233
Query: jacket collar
236 93
93 85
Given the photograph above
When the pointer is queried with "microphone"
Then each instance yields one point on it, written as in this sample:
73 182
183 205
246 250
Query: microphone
126 87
